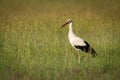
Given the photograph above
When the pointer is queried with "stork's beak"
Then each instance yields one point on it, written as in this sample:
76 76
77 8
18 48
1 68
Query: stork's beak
64 25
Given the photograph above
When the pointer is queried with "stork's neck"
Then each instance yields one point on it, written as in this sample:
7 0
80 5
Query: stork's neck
71 33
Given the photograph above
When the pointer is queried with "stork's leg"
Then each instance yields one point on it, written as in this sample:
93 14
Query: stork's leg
87 54
79 56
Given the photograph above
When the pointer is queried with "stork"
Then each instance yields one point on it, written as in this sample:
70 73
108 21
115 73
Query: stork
78 43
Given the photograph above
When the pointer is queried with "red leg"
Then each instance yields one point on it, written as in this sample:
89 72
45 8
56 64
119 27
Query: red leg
87 54
79 56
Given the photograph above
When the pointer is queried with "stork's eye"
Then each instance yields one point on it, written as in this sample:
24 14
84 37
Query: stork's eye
70 21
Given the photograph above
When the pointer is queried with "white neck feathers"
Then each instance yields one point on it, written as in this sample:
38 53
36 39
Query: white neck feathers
71 33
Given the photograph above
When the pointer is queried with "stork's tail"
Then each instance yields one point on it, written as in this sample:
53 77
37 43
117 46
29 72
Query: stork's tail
93 52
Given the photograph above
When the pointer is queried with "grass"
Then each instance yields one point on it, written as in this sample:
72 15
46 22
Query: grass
32 47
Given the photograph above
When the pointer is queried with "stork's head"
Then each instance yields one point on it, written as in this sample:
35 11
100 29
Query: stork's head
67 22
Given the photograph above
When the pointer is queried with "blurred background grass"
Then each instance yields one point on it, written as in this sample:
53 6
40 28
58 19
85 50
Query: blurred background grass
33 48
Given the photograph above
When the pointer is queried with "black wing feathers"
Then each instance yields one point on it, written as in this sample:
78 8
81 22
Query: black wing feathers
83 48
87 48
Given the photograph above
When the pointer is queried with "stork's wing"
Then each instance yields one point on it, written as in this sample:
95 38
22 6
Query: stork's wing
77 41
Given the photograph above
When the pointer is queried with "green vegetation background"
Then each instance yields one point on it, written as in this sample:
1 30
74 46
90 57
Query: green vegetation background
32 47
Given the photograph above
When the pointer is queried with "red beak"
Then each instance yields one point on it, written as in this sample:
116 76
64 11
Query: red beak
64 25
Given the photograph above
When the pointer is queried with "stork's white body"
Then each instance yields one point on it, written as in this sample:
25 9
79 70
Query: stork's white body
73 39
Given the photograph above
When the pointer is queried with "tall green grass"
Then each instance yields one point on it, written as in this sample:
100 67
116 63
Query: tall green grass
32 47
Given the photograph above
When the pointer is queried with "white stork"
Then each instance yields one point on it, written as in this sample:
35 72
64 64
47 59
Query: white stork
78 43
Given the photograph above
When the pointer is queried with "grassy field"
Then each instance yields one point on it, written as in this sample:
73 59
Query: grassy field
32 47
